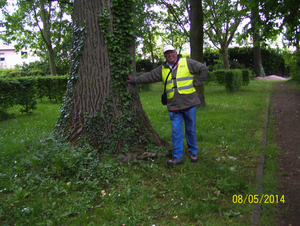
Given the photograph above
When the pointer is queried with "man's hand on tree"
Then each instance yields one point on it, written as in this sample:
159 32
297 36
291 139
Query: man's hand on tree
129 78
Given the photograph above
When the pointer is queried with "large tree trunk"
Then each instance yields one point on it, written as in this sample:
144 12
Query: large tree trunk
196 39
101 108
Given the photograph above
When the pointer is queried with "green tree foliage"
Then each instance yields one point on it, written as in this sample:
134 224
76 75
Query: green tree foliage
293 63
147 30
175 22
150 41
275 17
282 15
43 26
290 11
242 58
222 18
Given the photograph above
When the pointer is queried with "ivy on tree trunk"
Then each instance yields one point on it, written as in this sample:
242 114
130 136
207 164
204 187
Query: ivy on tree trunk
101 108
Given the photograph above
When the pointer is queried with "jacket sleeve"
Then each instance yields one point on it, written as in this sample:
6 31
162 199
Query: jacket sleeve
153 76
199 70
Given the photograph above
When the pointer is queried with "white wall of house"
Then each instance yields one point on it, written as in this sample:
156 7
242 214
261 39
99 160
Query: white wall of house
9 58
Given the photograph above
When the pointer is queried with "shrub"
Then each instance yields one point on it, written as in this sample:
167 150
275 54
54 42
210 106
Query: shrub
25 95
53 87
233 80
293 62
242 58
210 77
60 86
211 57
144 65
35 68
10 73
6 97
273 62
246 73
220 76
24 90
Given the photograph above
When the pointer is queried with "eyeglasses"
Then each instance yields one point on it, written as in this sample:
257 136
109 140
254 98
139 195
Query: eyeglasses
170 52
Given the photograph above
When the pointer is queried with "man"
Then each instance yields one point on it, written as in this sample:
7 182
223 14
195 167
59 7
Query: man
182 97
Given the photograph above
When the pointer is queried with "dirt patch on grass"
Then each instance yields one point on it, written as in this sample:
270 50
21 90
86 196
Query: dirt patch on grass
285 102
270 77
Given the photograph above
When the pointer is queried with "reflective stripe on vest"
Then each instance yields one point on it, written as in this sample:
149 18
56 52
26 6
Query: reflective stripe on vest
184 79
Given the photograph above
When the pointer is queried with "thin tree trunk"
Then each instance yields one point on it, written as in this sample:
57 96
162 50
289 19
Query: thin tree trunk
47 39
257 60
224 52
196 39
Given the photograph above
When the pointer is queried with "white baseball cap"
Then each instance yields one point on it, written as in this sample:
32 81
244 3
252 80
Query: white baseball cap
168 47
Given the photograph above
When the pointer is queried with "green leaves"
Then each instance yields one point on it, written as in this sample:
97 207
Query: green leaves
22 26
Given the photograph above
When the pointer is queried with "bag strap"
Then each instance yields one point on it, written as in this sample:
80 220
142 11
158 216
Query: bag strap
167 80
171 69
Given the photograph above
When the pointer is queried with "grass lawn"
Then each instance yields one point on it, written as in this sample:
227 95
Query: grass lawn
46 182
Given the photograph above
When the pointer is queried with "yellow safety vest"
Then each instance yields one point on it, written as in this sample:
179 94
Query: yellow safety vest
184 79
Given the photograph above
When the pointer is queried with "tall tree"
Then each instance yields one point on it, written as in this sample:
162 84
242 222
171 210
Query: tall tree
100 107
45 32
222 18
257 60
150 36
175 22
280 16
147 28
196 38
40 25
291 13
196 32
194 11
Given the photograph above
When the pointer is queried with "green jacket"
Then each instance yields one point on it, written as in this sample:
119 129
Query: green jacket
179 101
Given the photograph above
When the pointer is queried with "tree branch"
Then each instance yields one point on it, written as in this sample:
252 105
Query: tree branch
173 12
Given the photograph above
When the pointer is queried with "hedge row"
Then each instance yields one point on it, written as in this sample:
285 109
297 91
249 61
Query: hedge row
52 87
24 91
232 79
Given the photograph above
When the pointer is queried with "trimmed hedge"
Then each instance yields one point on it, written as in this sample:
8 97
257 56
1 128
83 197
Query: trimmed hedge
210 77
24 91
246 73
15 91
220 76
53 87
232 79
7 98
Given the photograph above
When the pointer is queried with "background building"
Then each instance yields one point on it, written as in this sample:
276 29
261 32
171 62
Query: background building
9 58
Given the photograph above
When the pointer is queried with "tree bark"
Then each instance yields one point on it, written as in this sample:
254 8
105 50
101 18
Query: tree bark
47 39
257 60
101 108
196 39
224 52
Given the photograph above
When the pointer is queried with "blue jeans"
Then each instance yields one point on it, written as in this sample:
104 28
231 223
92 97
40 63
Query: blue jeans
189 117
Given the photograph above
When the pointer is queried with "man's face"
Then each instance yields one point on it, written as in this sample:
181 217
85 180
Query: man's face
171 56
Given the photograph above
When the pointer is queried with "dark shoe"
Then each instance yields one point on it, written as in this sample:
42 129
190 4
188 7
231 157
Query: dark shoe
193 158
174 161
